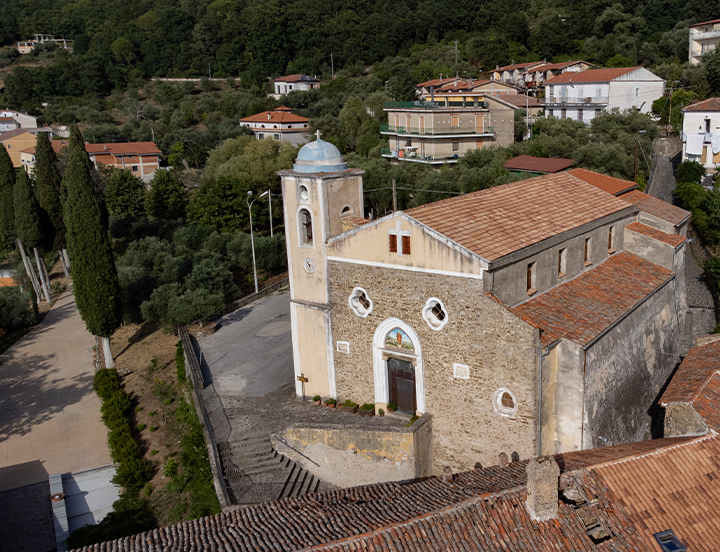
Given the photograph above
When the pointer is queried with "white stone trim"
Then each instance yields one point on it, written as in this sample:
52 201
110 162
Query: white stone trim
357 309
461 371
300 200
295 348
504 410
330 352
382 391
430 318
343 347
410 268
288 245
301 231
351 210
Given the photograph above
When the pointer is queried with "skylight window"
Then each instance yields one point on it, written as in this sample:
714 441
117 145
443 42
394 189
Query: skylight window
669 542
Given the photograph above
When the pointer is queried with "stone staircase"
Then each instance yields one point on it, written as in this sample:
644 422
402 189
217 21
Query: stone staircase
255 472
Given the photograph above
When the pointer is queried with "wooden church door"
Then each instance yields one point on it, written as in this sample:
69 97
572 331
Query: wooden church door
401 376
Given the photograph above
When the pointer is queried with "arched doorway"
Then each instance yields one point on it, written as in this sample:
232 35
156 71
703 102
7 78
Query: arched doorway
398 366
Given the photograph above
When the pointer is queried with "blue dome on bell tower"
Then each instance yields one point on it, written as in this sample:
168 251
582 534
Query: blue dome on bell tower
319 156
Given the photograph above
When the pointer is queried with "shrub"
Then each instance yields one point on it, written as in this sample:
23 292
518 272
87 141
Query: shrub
689 171
392 407
367 406
152 428
15 309
140 427
348 403
170 469
331 401
106 382
316 398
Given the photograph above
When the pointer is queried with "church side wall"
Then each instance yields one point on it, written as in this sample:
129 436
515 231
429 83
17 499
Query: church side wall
500 350
626 369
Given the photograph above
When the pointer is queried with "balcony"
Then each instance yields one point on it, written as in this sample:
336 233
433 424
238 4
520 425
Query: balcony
450 131
697 35
590 101
417 157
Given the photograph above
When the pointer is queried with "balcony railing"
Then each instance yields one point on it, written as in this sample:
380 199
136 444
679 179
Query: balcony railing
594 100
696 35
417 131
416 156
439 104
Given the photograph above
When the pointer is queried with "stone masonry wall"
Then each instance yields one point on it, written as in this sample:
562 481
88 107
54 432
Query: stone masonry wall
500 350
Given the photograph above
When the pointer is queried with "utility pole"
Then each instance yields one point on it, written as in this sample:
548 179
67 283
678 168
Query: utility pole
637 139
209 73
456 69
394 196
332 66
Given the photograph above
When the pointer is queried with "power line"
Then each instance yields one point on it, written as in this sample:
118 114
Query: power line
414 190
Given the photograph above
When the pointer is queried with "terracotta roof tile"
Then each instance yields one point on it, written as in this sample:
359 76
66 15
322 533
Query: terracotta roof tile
296 78
707 402
278 116
57 145
537 164
656 207
609 184
699 364
592 75
501 220
582 308
519 66
705 23
670 239
712 104
434 82
124 148
675 488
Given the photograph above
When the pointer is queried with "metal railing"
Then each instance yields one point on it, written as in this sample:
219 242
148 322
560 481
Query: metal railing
415 156
698 35
439 104
435 131
590 100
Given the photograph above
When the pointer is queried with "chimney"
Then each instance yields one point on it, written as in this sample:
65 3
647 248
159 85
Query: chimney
502 460
104 147
542 488
447 475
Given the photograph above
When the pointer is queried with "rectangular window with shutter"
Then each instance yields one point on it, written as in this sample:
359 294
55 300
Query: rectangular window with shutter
393 243
406 245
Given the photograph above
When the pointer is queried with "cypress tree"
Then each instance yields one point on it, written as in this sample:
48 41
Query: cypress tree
47 191
97 290
28 225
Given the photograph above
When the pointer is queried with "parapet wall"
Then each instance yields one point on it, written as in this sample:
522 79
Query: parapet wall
350 456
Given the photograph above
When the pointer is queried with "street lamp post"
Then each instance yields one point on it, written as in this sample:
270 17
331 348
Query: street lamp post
267 193
252 241
637 139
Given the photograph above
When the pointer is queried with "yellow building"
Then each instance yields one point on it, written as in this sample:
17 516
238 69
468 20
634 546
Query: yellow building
20 139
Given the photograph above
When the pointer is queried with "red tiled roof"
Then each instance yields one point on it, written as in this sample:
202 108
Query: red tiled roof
296 78
699 364
707 402
610 184
670 239
553 66
592 75
581 309
501 220
278 116
7 282
434 82
57 145
676 488
712 104
12 133
519 66
537 164
656 207
705 23
124 148
6 119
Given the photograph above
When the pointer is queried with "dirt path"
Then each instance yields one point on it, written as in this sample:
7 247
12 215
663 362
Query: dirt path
49 413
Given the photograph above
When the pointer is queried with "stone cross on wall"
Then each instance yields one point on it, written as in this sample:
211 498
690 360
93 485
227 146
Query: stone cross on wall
317 133
399 232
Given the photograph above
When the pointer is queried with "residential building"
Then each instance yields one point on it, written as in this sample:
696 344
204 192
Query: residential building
29 45
609 184
539 74
444 131
12 120
27 156
280 124
285 85
516 73
701 133
15 141
540 165
142 159
585 95
424 87
464 301
704 38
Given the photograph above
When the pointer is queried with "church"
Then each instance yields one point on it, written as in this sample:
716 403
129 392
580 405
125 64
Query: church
532 318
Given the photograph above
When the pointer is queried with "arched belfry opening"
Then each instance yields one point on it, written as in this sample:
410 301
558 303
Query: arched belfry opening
398 366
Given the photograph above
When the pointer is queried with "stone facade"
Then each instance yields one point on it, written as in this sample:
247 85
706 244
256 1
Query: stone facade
499 349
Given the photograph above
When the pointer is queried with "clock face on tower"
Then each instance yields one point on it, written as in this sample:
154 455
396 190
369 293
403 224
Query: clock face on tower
309 265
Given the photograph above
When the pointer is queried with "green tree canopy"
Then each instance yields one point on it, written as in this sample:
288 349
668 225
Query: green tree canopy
95 279
7 186
27 212
221 204
167 197
47 189
124 194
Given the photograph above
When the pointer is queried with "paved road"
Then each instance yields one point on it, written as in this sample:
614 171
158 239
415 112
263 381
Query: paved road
49 413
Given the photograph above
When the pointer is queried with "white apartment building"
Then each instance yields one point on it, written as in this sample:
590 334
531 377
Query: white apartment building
701 133
285 85
703 39
585 95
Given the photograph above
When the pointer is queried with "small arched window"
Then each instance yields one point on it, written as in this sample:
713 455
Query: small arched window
504 403
303 194
347 210
435 314
306 229
360 302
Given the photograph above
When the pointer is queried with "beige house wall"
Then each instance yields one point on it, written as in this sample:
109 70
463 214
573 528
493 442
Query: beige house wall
18 143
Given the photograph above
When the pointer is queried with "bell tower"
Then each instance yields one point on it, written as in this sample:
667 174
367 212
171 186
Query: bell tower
318 194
